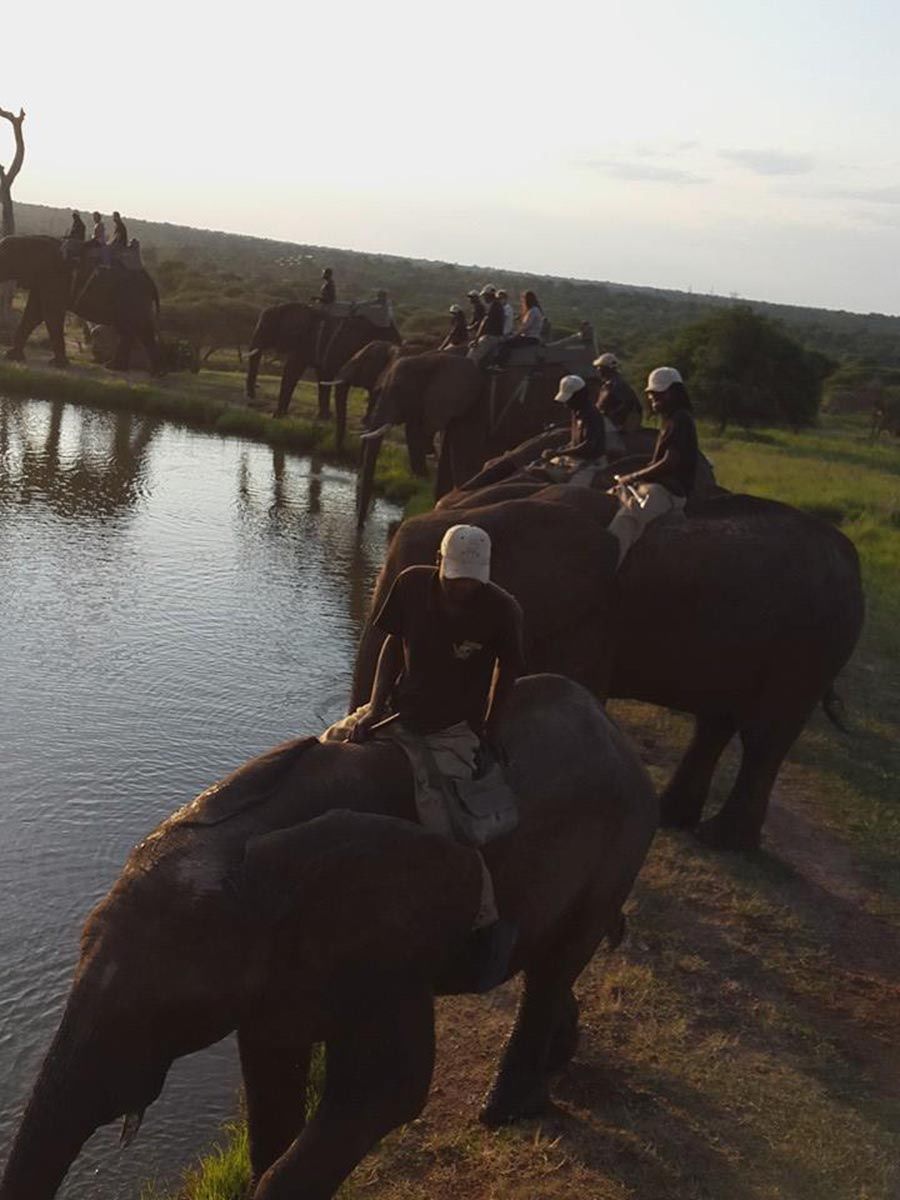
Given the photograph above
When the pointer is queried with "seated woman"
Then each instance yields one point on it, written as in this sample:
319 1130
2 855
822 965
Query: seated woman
586 451
665 484
531 319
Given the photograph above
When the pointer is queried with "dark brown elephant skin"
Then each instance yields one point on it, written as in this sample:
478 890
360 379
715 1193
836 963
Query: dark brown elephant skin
123 298
742 614
296 902
479 414
308 337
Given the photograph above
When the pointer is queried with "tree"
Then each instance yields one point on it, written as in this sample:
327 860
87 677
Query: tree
7 215
740 366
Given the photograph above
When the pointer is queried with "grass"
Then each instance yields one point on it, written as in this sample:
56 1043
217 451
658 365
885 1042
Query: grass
742 1044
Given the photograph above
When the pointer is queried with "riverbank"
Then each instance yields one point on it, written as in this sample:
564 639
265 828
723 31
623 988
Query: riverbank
214 401
742 1043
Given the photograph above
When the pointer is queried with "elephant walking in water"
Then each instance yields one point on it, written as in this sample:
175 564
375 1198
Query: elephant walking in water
119 296
741 614
262 907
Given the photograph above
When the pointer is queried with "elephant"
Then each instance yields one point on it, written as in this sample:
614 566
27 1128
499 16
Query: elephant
315 335
742 614
366 368
124 298
478 413
297 902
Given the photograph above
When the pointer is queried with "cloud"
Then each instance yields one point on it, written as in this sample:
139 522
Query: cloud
879 195
770 162
643 172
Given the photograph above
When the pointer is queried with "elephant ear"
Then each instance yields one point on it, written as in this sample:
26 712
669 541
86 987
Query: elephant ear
352 887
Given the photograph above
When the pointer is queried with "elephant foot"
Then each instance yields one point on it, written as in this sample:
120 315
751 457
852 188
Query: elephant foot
721 834
59 363
514 1097
14 355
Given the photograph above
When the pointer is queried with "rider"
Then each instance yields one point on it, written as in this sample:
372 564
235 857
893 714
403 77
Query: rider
477 311
77 231
617 400
327 292
451 657
490 332
588 441
120 233
665 484
458 333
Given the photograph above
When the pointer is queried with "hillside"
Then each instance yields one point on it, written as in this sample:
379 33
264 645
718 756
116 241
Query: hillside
627 319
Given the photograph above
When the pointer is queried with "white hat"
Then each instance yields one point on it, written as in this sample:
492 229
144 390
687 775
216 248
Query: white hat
662 379
466 553
455 308
472 292
488 290
568 386
606 360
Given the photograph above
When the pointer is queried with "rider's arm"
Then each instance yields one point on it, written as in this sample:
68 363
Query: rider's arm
659 468
390 664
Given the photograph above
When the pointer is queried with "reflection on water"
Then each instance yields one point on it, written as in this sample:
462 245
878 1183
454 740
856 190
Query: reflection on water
171 604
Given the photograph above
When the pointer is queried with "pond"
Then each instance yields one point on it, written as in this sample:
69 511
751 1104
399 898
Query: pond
172 603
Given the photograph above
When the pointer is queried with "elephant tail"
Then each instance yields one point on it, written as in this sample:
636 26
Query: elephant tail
835 710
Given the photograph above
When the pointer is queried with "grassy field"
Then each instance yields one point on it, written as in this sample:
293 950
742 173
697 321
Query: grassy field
742 1044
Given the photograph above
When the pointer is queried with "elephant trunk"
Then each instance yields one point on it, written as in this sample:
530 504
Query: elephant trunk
253 360
365 483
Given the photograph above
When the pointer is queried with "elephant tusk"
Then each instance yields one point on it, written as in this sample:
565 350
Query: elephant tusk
375 433
331 382
130 1126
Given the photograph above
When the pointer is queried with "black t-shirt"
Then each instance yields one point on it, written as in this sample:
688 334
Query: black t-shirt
589 432
449 662
679 435
617 400
328 292
493 322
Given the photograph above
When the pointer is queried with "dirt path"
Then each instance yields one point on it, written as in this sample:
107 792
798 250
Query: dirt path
742 1044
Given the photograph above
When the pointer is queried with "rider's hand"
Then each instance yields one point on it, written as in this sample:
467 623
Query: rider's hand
362 730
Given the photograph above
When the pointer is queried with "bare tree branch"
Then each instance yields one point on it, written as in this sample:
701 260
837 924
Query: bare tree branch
16 165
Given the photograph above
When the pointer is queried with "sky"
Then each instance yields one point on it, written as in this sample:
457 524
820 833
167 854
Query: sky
743 149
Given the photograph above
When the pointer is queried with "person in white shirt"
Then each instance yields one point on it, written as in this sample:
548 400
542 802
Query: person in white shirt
531 319
509 317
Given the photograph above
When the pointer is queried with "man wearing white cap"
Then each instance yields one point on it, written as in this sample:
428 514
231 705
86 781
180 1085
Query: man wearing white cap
616 399
665 484
447 667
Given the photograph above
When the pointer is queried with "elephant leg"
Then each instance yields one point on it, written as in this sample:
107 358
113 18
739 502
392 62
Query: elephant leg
738 824
294 366
122 356
147 338
681 804
28 322
324 413
340 414
378 1072
417 447
275 1092
564 1040
55 320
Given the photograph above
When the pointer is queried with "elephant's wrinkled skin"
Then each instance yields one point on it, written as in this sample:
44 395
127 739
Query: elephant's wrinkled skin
742 614
267 907
126 299
309 337
478 413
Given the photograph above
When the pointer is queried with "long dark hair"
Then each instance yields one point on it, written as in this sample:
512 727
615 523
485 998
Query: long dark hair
530 300
677 397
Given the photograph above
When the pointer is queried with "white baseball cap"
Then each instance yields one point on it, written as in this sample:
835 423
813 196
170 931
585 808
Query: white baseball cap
606 360
466 553
662 379
568 386
488 290
454 308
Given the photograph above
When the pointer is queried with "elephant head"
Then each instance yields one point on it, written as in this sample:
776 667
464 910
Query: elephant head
283 328
222 920
338 342
426 393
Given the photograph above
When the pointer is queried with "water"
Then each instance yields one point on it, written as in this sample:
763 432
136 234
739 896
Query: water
170 604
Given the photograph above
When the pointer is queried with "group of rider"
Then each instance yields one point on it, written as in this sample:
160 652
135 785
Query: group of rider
108 248
454 640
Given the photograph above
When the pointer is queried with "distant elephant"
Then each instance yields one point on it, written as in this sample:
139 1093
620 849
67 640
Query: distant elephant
118 296
478 413
742 614
313 335
260 907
